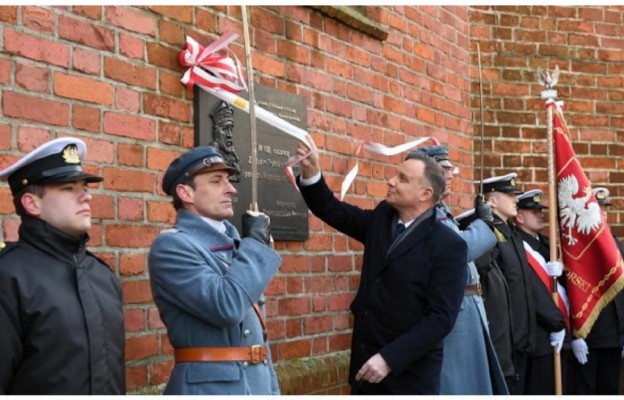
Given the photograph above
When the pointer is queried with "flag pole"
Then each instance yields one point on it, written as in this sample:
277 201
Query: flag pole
252 114
550 94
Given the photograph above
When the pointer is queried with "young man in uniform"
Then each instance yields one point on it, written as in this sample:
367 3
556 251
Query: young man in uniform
61 318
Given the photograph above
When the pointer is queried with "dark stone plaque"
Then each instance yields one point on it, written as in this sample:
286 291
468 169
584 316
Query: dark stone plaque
227 127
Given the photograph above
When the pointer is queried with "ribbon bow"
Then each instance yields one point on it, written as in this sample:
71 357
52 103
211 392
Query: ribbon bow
214 66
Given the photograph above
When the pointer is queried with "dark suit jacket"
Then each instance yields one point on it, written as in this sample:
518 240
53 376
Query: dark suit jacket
409 295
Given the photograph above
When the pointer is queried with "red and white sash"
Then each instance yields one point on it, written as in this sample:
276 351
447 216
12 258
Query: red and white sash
537 262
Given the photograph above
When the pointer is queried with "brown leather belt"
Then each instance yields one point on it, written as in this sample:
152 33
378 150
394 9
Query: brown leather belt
251 354
472 290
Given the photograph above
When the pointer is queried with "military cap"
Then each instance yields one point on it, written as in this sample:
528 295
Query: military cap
503 184
199 159
602 196
438 153
531 200
57 161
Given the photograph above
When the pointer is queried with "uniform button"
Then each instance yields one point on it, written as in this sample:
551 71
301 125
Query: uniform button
363 346
246 332
366 312
245 364
378 279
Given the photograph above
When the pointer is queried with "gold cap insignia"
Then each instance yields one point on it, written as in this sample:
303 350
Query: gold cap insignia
512 182
2 245
70 154
600 195
537 198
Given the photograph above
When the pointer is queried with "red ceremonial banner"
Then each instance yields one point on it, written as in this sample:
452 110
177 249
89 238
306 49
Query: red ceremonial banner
593 265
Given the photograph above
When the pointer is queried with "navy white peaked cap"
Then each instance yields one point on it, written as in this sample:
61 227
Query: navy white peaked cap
531 200
602 196
503 184
57 161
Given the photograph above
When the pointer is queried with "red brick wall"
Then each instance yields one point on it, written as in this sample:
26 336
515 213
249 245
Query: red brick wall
110 76
587 43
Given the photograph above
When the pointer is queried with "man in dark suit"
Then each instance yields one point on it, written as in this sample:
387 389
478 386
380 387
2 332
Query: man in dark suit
412 283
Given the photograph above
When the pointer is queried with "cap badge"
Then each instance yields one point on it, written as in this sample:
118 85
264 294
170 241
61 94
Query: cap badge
70 154
537 198
600 195
512 182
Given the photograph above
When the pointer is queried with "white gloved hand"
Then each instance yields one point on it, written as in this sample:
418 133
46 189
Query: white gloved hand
579 348
554 268
556 339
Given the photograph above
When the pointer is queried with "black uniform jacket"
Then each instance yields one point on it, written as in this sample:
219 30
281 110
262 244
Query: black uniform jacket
61 319
517 271
410 290
549 317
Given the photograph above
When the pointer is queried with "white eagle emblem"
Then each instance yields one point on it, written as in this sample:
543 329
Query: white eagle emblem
576 212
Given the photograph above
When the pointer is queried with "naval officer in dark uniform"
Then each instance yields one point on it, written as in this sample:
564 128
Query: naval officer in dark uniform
61 318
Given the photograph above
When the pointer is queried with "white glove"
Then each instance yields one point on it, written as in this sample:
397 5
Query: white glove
554 268
556 339
579 348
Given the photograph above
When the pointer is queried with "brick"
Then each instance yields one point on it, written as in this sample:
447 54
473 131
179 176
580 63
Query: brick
102 206
35 48
131 74
85 89
160 159
86 118
136 377
170 84
181 13
8 14
268 65
162 56
86 61
166 107
38 19
136 292
160 212
93 12
141 347
169 133
205 20
130 19
160 372
153 319
86 33
34 109
131 46
130 154
31 77
129 126
294 306
128 180
134 320
5 71
130 209
171 32
6 202
130 235
294 349
126 99
294 285
5 136
131 264
10 227
29 138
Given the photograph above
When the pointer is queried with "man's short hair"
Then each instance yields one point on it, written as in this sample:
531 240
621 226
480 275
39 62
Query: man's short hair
434 174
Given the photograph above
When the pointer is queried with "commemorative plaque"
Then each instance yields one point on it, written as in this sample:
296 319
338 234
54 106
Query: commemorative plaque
224 126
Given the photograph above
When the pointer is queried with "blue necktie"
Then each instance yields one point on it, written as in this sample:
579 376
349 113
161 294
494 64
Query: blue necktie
400 228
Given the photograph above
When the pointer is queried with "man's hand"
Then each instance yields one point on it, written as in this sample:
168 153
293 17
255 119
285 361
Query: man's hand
483 210
374 370
310 164
579 348
256 225
556 339
554 268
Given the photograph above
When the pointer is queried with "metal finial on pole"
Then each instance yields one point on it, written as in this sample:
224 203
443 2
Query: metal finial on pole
549 81
252 113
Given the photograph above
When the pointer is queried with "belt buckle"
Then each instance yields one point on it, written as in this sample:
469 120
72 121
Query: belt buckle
256 354
479 291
